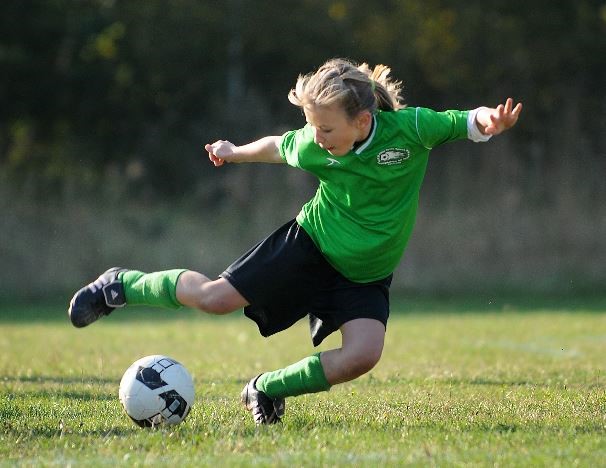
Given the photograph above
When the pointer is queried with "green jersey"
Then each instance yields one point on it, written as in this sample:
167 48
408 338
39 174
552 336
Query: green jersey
363 212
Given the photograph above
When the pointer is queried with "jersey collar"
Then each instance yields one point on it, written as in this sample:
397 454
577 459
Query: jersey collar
366 143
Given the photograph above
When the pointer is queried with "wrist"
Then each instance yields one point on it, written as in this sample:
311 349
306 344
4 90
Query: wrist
475 127
238 154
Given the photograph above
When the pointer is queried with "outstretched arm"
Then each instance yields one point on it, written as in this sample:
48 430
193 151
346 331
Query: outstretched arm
263 150
492 121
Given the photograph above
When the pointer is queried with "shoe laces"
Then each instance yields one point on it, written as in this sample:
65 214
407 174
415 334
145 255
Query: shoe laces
98 284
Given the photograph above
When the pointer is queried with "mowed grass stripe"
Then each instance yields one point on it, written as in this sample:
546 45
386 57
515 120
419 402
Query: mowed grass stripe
507 388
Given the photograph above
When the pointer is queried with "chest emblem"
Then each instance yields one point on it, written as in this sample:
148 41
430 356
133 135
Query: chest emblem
393 156
332 162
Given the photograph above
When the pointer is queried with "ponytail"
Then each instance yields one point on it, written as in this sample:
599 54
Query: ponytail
387 91
355 87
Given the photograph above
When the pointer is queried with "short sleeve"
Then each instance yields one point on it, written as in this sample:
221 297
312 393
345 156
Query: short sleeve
435 128
289 149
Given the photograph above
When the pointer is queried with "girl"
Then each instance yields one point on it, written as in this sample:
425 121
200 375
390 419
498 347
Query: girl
334 262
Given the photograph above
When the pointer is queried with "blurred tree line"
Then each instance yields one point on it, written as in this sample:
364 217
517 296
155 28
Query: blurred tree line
124 93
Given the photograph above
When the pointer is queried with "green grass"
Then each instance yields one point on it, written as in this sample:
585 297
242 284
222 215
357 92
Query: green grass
459 384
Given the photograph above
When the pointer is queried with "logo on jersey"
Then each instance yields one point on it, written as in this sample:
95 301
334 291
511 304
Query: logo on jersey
393 156
332 162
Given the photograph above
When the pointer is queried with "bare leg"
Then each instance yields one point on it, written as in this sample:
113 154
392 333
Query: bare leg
362 345
213 296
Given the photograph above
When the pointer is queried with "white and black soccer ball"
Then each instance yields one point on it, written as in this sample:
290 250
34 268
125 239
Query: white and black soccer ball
156 390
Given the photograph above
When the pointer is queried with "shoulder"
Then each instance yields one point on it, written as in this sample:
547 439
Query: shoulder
297 137
400 115
296 144
297 140
401 123
401 119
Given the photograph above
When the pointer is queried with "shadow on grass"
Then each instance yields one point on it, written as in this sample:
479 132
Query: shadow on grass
465 382
401 303
72 432
497 302
58 388
46 379
57 314
487 382
54 394
496 382
412 424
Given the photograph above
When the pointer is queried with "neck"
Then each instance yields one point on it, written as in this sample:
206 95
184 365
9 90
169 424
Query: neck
364 133
365 130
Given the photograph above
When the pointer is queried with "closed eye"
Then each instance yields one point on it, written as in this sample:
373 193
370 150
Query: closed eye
321 129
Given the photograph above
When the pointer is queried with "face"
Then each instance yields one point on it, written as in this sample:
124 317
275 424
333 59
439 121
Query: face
334 131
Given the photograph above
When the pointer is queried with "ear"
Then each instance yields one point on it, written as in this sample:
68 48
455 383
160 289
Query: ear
363 119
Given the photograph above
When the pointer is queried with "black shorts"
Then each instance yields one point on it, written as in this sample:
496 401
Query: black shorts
285 277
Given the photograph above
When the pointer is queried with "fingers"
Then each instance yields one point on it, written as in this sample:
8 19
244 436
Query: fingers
510 110
514 114
504 117
511 113
497 115
211 154
212 148
216 161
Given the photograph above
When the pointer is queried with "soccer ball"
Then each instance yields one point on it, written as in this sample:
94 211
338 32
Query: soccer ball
155 390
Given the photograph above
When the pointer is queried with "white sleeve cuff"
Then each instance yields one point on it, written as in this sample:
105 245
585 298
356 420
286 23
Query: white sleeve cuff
473 132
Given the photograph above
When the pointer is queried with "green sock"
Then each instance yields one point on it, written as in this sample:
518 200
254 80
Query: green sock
305 376
152 289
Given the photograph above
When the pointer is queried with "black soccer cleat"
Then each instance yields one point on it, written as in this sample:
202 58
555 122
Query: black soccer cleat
97 299
265 410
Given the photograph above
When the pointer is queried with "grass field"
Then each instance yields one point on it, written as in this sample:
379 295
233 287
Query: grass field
460 384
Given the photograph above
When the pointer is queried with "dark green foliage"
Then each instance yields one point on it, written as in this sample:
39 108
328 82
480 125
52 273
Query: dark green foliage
136 87
113 100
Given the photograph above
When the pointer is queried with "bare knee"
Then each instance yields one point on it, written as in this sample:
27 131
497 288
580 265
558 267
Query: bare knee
345 364
363 361
218 301
362 347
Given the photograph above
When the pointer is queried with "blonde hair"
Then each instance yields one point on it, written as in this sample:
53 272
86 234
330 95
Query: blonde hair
354 87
